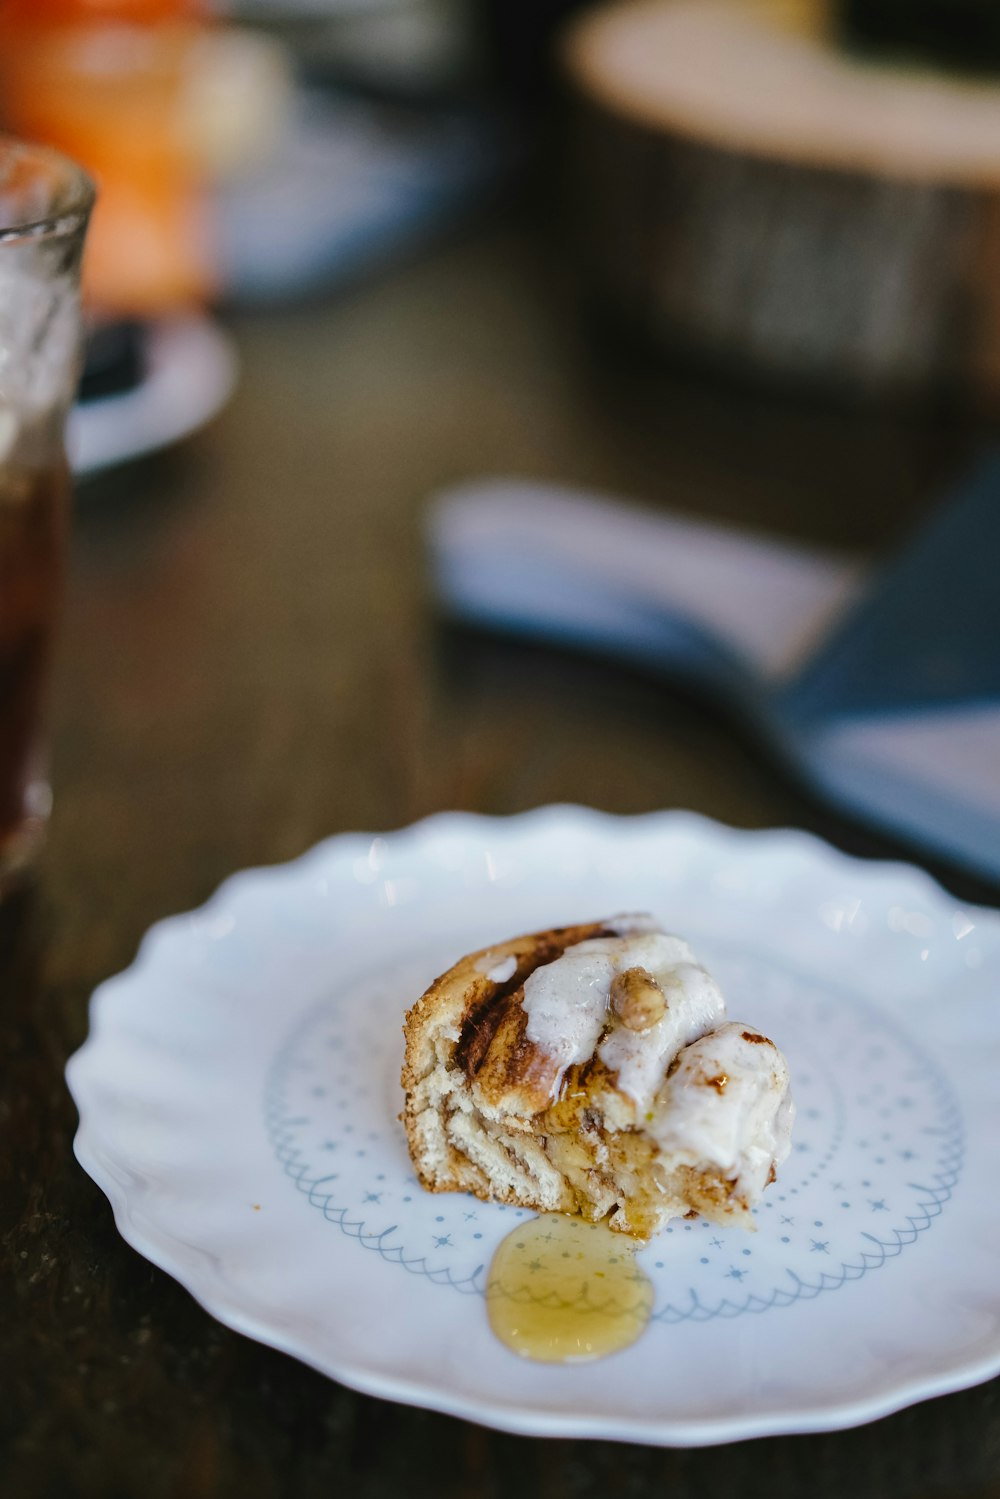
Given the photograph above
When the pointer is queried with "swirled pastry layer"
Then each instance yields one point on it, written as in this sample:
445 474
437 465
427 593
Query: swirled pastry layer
591 1069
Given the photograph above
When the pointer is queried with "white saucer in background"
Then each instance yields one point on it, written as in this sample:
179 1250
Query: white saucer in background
191 369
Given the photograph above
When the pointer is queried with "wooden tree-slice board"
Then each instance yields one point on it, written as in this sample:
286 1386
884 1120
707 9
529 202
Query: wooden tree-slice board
753 192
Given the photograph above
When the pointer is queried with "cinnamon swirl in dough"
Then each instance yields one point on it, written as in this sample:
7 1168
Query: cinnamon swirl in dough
591 1069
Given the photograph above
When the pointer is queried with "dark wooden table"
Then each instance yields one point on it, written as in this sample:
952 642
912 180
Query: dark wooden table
251 661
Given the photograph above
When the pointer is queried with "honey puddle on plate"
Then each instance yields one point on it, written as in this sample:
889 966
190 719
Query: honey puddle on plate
563 1291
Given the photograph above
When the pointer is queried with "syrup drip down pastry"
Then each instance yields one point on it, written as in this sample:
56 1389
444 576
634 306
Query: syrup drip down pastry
591 1070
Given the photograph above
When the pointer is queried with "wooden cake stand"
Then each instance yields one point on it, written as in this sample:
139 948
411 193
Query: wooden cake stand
756 194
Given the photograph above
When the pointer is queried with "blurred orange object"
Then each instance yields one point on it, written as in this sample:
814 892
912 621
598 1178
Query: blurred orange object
43 12
104 81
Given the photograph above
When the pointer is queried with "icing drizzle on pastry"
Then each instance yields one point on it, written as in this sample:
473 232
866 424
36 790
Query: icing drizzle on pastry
568 1005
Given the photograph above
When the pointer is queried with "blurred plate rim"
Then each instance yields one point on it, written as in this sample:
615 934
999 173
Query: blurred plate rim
191 372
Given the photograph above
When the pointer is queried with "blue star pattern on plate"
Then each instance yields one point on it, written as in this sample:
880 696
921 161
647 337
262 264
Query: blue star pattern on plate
877 1149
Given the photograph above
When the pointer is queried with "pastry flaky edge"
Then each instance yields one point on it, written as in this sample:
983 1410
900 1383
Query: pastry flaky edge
481 1113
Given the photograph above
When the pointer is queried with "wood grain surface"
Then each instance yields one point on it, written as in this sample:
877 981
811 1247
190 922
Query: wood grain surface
251 661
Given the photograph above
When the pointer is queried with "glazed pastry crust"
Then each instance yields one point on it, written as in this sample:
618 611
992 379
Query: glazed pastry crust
489 1112
466 1029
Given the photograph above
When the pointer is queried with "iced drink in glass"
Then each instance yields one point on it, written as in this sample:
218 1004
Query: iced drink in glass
45 201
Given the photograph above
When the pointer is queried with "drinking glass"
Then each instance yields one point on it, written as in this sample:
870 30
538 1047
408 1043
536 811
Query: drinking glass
45 201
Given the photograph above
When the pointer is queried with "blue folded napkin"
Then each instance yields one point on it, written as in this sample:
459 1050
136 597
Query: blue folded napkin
880 688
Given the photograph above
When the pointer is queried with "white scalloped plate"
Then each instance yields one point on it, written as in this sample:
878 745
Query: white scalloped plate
239 1090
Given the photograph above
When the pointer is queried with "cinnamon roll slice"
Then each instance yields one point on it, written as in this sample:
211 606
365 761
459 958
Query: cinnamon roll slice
590 1069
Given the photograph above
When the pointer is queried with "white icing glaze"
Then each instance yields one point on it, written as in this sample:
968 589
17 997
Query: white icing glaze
498 972
641 1058
742 1126
567 1004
